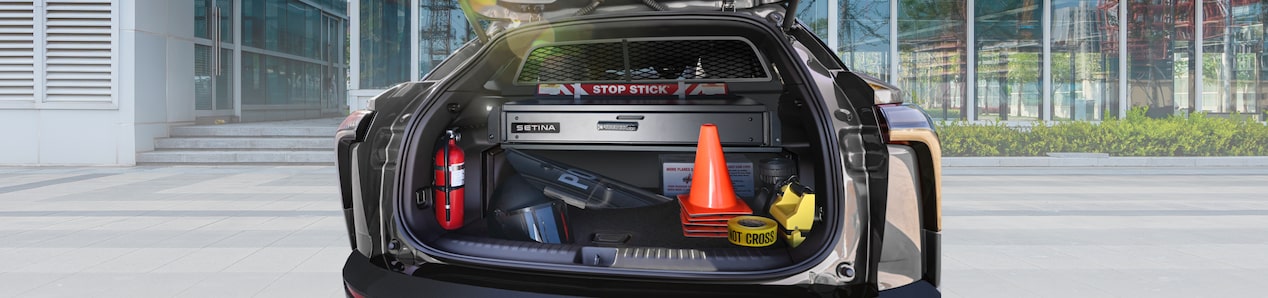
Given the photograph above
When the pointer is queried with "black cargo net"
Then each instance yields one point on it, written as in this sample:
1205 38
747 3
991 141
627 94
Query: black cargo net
655 60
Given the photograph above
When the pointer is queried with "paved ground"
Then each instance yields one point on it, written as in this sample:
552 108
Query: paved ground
1125 232
277 232
171 231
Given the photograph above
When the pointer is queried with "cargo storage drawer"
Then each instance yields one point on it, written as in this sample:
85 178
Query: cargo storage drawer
738 125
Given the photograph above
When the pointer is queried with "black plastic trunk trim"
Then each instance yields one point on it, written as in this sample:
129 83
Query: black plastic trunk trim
638 258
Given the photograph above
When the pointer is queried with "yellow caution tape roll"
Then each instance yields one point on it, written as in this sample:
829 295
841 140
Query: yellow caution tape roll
751 231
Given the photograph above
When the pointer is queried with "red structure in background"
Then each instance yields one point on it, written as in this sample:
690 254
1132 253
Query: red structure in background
1161 22
438 32
1160 30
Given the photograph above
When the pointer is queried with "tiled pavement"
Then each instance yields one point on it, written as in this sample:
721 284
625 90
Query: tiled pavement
1095 232
277 232
171 231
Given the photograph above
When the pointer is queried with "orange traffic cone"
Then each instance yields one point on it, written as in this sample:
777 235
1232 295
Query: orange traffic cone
711 189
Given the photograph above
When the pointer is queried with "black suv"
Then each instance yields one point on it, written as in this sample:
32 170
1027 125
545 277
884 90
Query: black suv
620 147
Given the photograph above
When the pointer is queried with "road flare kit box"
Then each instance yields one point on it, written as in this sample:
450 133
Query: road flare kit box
675 174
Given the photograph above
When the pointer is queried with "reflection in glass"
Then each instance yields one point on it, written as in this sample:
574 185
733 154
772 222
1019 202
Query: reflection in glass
385 43
270 80
1085 75
310 34
252 80
287 26
224 81
201 10
212 91
932 49
814 14
1232 42
204 9
444 30
334 78
864 37
202 77
1008 43
1159 48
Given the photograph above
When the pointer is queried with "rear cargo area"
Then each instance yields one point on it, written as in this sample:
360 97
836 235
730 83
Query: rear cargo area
638 153
564 199
645 217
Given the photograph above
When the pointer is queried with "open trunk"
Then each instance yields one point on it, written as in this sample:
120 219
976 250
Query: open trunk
576 149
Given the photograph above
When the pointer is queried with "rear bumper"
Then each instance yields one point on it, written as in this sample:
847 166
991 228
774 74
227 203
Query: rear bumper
369 280
372 281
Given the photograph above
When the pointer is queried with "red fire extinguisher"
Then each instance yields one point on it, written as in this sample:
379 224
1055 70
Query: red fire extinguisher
448 183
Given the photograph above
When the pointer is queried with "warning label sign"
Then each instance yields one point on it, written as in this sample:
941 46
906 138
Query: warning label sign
676 174
632 89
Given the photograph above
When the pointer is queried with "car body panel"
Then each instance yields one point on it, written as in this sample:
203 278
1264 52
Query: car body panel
900 262
368 280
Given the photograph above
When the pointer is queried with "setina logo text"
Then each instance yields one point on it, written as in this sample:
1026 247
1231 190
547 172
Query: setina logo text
535 127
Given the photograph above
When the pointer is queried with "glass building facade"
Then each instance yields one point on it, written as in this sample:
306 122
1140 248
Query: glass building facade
270 59
401 40
384 28
1031 60
1023 60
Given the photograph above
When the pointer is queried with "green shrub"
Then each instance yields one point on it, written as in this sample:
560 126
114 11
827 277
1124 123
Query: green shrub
937 113
1135 135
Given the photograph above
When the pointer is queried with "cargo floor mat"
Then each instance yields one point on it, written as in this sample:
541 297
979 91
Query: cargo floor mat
651 226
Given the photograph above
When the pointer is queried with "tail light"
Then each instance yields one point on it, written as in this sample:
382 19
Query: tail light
895 117
352 127
353 292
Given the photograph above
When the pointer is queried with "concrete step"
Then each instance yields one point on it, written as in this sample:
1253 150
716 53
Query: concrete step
308 141
252 143
252 131
236 157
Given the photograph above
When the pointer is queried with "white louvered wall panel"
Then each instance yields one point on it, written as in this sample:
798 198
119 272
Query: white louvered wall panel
78 51
17 51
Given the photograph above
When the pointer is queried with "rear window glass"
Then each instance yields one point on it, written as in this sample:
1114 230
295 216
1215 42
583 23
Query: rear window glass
644 60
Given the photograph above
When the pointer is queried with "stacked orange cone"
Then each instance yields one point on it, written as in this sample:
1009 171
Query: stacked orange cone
712 200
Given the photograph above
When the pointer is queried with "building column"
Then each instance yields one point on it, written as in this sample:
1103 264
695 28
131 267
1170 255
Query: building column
894 77
1046 69
235 84
970 70
354 53
1198 32
414 28
354 48
1226 79
834 16
1123 75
